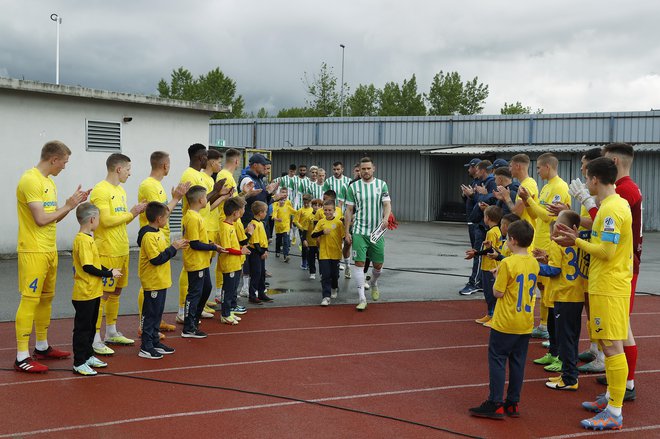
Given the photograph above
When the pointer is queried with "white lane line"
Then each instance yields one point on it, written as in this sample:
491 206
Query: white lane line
593 433
289 403
246 363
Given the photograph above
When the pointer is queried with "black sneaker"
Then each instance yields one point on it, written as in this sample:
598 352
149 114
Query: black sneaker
265 297
511 409
163 349
240 310
488 409
151 354
194 334
255 300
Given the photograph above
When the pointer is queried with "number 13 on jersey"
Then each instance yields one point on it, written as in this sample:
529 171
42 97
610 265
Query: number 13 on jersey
524 289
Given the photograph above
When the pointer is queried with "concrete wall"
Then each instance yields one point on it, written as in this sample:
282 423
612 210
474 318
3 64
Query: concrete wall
28 120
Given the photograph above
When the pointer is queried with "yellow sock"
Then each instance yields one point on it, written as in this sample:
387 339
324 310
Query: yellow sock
140 303
99 320
24 321
616 371
183 288
112 309
544 312
218 278
42 316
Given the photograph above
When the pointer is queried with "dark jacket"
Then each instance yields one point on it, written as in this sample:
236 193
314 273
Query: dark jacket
476 216
261 196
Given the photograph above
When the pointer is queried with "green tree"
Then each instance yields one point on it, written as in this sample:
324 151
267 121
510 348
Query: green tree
449 95
365 101
402 100
297 112
518 108
262 113
212 88
324 98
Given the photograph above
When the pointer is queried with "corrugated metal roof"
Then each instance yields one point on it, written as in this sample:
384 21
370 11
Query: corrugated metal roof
515 149
355 148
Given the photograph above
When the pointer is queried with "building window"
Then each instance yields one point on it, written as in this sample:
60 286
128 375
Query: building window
102 136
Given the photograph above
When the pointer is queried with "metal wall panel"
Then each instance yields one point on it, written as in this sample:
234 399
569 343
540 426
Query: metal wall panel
645 172
235 134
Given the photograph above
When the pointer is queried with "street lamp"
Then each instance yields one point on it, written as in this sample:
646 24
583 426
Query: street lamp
58 20
342 79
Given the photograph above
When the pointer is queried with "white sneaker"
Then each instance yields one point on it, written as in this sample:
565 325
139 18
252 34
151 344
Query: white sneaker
341 266
361 306
84 369
367 286
245 290
95 362
325 301
347 273
312 276
207 315
101 349
180 318
333 294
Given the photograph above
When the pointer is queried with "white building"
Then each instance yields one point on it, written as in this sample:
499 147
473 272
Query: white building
93 124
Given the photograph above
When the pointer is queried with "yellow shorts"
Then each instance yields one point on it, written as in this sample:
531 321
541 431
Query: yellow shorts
37 272
120 263
608 317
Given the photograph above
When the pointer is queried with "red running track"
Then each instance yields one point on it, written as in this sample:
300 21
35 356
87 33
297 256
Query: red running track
419 361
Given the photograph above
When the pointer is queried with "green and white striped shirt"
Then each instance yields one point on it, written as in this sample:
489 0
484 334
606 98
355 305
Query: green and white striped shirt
367 201
315 190
338 185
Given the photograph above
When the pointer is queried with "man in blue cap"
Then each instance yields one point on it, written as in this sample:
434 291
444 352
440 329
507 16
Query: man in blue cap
498 163
474 282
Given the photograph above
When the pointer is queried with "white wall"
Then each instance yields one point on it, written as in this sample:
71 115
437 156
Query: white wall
28 120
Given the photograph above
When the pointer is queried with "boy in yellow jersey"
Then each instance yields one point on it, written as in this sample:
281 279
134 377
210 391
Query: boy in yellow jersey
568 275
232 161
112 241
231 260
512 324
492 217
193 174
155 277
38 214
610 275
283 211
301 220
151 189
87 289
256 260
330 233
312 243
555 191
196 261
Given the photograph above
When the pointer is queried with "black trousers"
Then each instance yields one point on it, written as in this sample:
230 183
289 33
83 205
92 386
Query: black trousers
152 314
329 275
503 347
84 327
229 287
568 323
552 333
312 256
305 250
257 273
199 289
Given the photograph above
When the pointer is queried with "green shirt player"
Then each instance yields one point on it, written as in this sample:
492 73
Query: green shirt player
369 199
337 182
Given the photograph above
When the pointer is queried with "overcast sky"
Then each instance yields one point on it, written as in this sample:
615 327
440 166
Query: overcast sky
562 56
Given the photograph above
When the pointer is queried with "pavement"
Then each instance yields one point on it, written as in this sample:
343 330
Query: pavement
423 261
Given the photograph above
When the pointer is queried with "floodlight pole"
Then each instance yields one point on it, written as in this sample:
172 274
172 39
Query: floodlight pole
58 20
342 79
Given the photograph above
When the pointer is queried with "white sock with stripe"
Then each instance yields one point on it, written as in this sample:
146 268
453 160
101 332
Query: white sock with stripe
358 276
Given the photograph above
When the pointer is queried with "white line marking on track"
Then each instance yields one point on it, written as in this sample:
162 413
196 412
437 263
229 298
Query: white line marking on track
289 403
592 433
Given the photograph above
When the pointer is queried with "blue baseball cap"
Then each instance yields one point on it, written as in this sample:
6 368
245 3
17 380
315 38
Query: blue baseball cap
498 163
258 158
473 162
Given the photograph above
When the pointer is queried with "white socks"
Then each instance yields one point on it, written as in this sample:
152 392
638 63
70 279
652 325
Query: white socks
616 411
630 384
22 355
375 274
97 337
41 345
593 347
182 311
110 331
347 263
358 276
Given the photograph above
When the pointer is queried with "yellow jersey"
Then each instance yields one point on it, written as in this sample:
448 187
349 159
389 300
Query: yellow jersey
194 177
283 211
210 216
555 191
330 244
612 226
152 190
241 235
493 235
568 285
530 184
111 236
154 277
516 278
303 217
230 182
85 286
33 187
312 242
229 263
259 235
194 229
320 215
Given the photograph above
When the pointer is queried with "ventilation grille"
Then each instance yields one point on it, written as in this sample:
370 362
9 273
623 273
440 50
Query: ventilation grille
103 136
175 218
